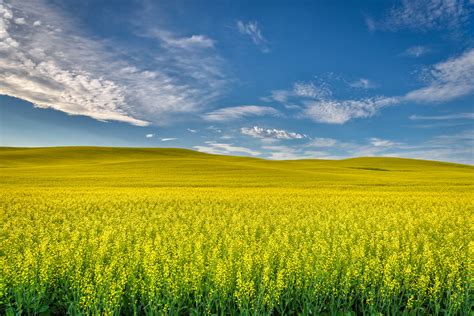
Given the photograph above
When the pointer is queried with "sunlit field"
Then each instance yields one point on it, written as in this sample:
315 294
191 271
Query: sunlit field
167 231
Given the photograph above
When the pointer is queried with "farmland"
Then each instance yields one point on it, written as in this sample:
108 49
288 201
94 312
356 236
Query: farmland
171 231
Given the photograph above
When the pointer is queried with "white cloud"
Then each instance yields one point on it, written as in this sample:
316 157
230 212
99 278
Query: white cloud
223 149
194 41
191 130
444 81
371 24
238 112
20 21
377 142
293 153
277 95
56 65
447 80
149 135
252 30
416 51
168 139
363 83
342 111
263 133
300 90
310 90
459 139
457 147
214 129
322 142
423 15
456 116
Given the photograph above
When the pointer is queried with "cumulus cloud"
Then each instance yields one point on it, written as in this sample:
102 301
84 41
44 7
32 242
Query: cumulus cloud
259 132
416 51
238 112
252 30
56 65
212 147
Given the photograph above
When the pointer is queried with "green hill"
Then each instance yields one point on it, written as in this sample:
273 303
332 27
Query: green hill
161 167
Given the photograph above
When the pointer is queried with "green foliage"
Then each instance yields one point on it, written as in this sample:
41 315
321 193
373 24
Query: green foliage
170 231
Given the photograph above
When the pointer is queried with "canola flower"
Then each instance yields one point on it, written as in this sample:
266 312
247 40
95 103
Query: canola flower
170 250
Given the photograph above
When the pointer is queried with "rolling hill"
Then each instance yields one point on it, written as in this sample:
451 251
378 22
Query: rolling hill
161 167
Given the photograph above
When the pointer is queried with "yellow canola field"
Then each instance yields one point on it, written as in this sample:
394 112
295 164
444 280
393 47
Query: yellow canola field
81 243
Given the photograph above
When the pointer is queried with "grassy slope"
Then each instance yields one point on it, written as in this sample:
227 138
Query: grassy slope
159 167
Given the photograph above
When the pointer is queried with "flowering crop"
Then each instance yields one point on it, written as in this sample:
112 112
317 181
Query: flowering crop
252 248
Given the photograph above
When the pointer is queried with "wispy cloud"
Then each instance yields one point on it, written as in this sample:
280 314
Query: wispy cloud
293 153
223 149
416 51
455 116
191 42
377 142
423 15
370 23
442 82
214 129
252 30
310 90
447 80
363 83
150 135
90 77
457 147
342 111
271 133
168 139
238 112
316 101
191 130
300 90
322 142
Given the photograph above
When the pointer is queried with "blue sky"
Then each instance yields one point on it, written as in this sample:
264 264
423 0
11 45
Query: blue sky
268 79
